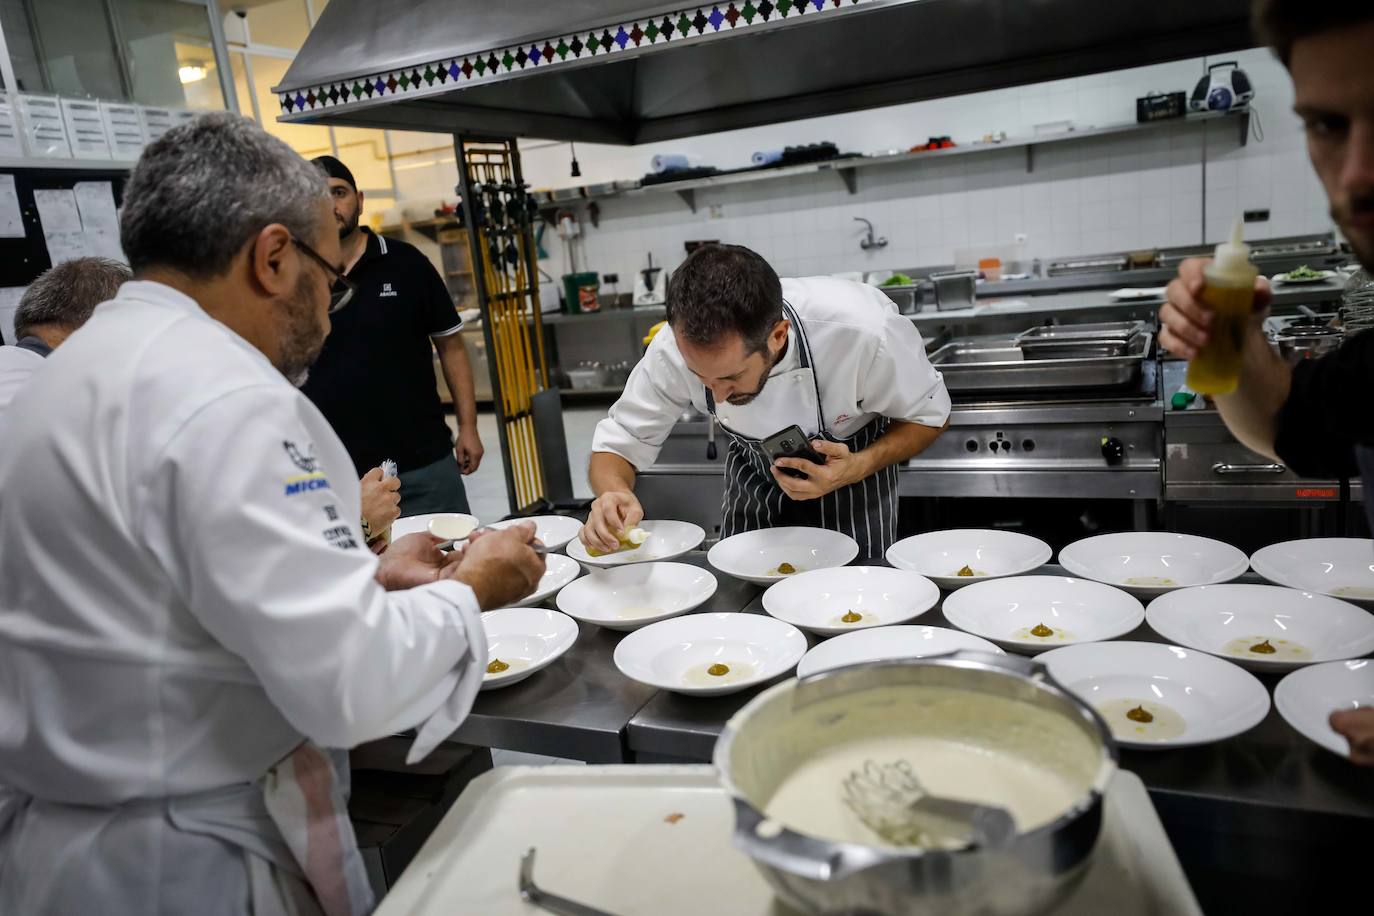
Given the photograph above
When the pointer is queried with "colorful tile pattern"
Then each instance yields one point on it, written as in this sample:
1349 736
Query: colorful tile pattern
695 23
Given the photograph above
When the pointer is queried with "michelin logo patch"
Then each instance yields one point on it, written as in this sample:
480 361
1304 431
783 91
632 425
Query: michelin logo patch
305 484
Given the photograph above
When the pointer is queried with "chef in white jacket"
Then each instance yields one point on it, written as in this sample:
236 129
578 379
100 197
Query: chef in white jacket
188 612
55 304
761 354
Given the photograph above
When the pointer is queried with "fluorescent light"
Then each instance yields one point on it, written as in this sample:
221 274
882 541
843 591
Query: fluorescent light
191 73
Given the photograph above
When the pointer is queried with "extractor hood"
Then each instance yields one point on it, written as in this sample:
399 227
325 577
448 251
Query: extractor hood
617 71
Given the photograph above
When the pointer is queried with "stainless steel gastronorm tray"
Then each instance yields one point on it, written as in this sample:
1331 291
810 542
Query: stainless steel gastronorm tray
996 364
1042 335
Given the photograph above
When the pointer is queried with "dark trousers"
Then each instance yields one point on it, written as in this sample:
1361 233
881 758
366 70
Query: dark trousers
436 487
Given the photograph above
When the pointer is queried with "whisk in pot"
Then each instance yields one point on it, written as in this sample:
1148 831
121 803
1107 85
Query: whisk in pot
891 801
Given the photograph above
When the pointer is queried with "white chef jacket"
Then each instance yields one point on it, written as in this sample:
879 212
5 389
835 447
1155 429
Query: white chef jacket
16 365
868 359
185 598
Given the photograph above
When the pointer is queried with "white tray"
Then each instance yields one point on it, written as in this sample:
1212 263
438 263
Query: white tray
605 839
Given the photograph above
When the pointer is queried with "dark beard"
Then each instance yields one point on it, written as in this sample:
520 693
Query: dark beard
302 340
350 226
739 400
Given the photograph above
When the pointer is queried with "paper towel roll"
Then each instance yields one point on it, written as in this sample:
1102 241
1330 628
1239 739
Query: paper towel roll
767 156
674 162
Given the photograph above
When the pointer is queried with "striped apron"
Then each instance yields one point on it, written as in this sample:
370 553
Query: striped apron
866 511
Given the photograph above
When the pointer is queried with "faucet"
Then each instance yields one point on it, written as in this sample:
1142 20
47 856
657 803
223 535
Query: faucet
868 241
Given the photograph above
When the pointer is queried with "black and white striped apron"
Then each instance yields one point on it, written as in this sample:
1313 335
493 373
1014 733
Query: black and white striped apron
866 511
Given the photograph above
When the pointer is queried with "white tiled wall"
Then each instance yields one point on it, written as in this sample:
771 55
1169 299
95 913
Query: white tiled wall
1093 195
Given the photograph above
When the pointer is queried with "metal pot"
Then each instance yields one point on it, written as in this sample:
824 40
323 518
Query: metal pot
955 289
1010 699
1306 340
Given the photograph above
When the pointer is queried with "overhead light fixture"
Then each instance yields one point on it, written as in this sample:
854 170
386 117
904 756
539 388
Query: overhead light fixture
191 73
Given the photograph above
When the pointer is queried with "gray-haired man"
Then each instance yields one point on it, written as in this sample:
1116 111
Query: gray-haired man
187 608
56 304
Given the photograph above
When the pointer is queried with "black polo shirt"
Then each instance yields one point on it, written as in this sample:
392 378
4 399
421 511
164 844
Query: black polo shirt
374 380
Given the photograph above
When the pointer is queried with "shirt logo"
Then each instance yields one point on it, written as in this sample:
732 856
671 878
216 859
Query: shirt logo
387 290
842 418
306 483
306 462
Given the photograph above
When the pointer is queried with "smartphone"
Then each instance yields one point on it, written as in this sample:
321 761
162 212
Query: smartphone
791 443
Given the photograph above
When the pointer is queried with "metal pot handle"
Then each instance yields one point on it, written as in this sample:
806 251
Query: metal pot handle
1223 468
797 854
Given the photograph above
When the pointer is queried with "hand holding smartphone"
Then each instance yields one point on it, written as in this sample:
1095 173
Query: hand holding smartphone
791 443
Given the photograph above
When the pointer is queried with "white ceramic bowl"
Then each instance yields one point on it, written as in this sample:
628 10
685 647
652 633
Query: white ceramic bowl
755 556
1006 611
818 600
417 523
1339 567
1149 563
527 639
558 572
888 642
667 540
1205 698
677 654
939 555
630 597
1227 620
554 531
1307 698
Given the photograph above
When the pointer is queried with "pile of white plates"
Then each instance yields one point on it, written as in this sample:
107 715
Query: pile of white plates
1150 563
1030 614
667 540
636 595
558 572
985 553
772 554
831 601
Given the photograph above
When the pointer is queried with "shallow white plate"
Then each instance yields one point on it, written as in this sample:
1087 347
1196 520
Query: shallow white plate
554 531
1322 277
1214 698
527 639
667 540
888 642
817 600
417 523
1308 697
1076 610
1226 620
1339 567
754 556
558 572
676 654
939 555
630 597
1149 563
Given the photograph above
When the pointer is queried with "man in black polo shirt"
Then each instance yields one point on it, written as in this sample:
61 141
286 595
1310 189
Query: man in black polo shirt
1319 417
374 380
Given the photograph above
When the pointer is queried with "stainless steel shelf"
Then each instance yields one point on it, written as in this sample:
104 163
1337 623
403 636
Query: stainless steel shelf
89 165
847 168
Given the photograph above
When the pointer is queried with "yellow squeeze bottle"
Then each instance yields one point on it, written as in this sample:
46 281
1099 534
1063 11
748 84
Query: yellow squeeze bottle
1230 294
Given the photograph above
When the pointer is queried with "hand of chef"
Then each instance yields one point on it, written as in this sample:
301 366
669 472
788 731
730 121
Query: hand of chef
613 512
842 468
410 561
1184 320
500 567
381 500
468 450
1357 725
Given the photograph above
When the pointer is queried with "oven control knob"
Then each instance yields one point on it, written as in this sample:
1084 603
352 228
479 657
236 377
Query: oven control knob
1113 451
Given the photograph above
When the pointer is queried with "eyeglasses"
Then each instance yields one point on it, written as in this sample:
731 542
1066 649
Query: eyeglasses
342 289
